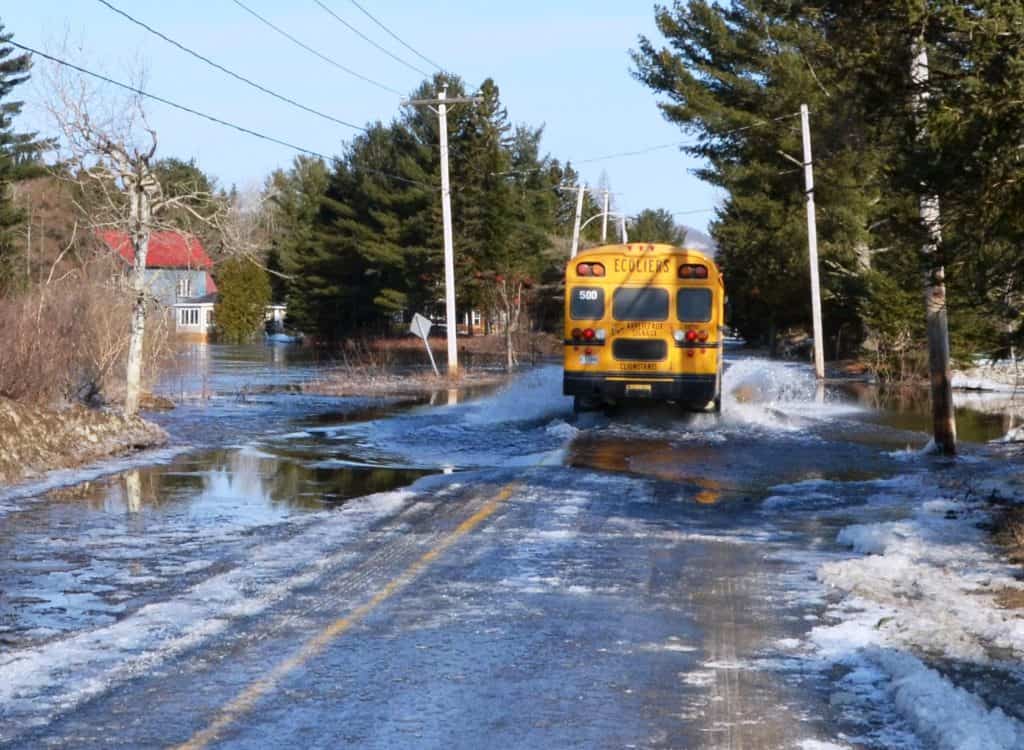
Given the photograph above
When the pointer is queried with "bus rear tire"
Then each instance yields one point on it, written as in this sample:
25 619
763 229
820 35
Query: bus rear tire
583 404
716 405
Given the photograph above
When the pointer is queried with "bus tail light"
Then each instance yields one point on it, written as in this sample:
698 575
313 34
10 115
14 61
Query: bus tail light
577 333
691 336
703 335
693 271
588 334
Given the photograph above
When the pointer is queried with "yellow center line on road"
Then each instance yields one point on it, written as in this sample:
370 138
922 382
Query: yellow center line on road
247 699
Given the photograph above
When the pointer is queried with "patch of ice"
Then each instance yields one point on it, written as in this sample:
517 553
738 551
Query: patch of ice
947 717
55 677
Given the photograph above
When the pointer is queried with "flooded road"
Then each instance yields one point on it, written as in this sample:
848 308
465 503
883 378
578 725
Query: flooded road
381 573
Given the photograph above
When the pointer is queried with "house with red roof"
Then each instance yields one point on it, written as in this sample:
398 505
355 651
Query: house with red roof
177 274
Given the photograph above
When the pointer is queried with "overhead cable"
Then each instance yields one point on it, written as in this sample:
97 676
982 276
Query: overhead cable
211 118
367 39
231 73
309 49
397 38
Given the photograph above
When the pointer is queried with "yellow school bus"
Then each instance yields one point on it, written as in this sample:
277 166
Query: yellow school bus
643 321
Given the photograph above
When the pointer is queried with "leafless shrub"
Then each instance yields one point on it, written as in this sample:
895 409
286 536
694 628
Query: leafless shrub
66 341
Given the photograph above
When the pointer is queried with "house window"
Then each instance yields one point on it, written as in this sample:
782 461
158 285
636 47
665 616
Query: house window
209 318
185 287
188 316
476 318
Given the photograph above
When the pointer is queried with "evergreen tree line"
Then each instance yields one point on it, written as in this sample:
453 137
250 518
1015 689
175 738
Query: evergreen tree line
357 244
733 74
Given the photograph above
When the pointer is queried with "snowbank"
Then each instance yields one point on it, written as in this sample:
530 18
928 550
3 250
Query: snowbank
36 440
922 592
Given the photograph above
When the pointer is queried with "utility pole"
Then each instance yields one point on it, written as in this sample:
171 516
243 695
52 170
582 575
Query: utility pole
580 190
451 323
943 417
812 246
604 220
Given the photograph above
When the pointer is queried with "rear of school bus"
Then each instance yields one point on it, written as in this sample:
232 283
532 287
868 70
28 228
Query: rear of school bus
643 321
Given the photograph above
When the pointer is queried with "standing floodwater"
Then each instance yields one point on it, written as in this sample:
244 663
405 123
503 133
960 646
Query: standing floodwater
380 573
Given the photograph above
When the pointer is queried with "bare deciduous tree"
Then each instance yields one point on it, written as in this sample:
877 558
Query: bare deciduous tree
108 148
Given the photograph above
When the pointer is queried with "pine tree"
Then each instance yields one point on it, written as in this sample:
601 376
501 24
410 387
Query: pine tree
18 155
243 295
656 225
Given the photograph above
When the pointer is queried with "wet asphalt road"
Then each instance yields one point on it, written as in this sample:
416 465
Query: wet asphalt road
545 582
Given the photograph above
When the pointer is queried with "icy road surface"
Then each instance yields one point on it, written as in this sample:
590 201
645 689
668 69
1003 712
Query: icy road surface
312 573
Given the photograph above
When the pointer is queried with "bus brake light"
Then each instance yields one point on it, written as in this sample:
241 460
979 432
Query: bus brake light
703 335
691 336
693 271
588 334
577 333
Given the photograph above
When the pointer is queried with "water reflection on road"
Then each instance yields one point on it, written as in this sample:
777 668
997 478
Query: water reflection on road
645 521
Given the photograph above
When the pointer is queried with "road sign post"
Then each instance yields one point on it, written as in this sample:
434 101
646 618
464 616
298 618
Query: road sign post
421 326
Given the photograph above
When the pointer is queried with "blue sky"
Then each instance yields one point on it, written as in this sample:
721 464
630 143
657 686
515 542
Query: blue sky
563 63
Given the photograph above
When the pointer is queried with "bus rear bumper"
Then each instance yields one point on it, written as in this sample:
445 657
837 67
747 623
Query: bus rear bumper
690 389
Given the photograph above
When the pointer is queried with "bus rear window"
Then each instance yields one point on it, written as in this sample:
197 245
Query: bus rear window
645 303
586 303
694 305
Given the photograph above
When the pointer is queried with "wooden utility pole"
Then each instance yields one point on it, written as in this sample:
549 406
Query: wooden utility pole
943 417
451 323
812 246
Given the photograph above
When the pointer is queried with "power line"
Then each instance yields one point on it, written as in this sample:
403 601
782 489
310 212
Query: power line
397 38
231 73
650 149
319 54
211 118
363 36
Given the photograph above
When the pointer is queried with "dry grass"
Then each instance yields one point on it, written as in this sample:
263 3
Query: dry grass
368 381
399 366
1009 532
66 342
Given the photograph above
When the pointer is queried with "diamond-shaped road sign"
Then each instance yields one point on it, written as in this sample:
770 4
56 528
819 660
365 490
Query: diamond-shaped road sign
420 326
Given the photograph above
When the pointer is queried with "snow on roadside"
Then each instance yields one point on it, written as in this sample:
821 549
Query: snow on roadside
924 587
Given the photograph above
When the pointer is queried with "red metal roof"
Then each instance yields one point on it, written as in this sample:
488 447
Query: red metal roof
166 250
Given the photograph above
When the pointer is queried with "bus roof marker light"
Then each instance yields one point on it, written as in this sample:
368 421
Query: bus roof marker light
597 269
700 272
583 269
685 272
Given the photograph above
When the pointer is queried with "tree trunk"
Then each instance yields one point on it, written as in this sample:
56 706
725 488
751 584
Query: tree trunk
140 210
943 417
